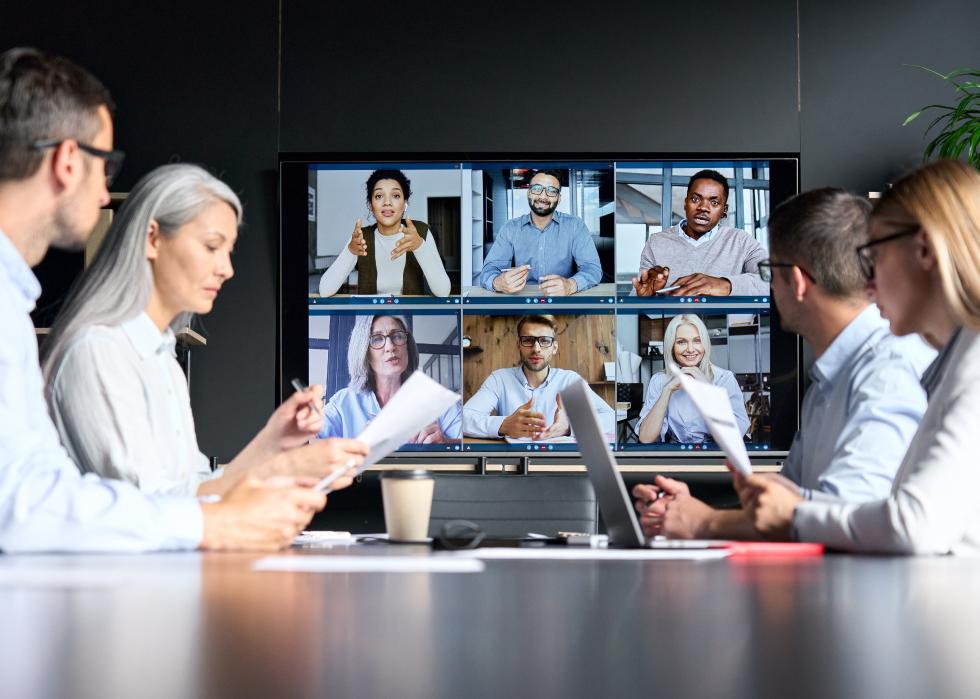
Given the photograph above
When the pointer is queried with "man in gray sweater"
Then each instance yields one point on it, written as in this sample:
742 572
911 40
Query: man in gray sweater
701 256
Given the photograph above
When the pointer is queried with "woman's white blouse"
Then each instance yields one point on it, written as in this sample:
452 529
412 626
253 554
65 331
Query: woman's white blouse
120 403
390 272
933 506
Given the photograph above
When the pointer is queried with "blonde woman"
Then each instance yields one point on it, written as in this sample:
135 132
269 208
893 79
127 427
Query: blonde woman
687 348
922 263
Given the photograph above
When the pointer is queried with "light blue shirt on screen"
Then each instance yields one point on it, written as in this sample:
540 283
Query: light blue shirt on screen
505 390
860 413
348 412
45 502
564 245
682 416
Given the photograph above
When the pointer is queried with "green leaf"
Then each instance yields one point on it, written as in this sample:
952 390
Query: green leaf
911 117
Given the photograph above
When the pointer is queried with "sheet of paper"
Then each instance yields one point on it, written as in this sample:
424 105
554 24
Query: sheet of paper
419 402
712 402
369 564
574 553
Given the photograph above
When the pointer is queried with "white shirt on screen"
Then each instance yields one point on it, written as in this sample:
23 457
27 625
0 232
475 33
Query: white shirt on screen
45 503
390 272
120 403
683 418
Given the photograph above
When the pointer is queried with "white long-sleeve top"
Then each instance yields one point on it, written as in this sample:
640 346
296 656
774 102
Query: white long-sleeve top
390 272
120 403
933 507
45 503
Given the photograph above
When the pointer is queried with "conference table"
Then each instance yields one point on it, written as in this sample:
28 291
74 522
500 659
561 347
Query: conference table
208 625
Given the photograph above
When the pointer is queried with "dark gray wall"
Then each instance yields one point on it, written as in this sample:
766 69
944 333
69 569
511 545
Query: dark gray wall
201 82
856 89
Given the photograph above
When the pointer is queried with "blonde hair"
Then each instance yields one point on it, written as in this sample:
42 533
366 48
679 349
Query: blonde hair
944 198
670 335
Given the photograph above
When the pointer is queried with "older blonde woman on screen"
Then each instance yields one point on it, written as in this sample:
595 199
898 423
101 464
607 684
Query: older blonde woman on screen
667 409
381 355
922 263
380 252
114 388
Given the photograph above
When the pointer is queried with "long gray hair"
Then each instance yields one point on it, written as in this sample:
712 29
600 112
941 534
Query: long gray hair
359 366
116 287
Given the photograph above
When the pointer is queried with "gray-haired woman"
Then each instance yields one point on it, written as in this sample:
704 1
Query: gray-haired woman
381 355
115 390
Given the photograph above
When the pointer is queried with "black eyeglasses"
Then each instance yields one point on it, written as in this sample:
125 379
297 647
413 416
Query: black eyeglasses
547 189
113 158
544 341
866 255
766 267
398 338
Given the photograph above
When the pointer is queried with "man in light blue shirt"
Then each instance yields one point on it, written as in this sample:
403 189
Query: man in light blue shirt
543 247
56 159
865 403
522 403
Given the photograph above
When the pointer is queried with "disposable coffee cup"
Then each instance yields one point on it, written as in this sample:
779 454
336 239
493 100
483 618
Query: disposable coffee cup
407 497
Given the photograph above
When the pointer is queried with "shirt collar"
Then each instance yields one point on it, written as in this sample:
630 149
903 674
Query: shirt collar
522 378
703 239
19 272
555 219
147 338
846 344
935 371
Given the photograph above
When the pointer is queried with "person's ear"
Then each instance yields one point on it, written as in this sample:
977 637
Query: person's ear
799 283
724 211
153 240
925 253
66 166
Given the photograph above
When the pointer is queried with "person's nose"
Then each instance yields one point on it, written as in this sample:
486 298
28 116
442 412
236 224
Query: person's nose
225 269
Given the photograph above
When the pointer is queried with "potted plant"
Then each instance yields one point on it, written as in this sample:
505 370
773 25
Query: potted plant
959 123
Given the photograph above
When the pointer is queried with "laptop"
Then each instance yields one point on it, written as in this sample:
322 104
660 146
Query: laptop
615 504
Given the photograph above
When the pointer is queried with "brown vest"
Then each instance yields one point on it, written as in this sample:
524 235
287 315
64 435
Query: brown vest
367 268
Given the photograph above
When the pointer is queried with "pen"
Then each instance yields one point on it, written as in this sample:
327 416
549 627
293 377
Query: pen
300 387
667 288
324 485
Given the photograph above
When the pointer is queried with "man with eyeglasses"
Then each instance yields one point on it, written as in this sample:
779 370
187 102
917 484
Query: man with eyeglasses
865 401
56 159
701 256
545 247
522 402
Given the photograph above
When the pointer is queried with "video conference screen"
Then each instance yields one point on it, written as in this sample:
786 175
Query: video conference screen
507 280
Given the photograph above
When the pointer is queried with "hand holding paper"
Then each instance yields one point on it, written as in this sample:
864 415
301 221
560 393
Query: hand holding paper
418 403
712 402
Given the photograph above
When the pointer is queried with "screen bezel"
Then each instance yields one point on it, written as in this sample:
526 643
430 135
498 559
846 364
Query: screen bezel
292 324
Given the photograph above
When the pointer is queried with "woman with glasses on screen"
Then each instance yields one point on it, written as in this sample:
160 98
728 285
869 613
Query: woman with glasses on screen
670 415
380 252
922 263
381 355
114 388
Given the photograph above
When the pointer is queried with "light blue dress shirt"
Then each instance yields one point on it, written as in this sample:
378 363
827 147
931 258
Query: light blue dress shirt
505 390
348 412
860 413
45 503
563 245
683 418
695 242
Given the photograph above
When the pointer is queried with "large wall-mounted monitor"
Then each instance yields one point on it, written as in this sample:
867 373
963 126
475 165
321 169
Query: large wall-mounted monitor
505 277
